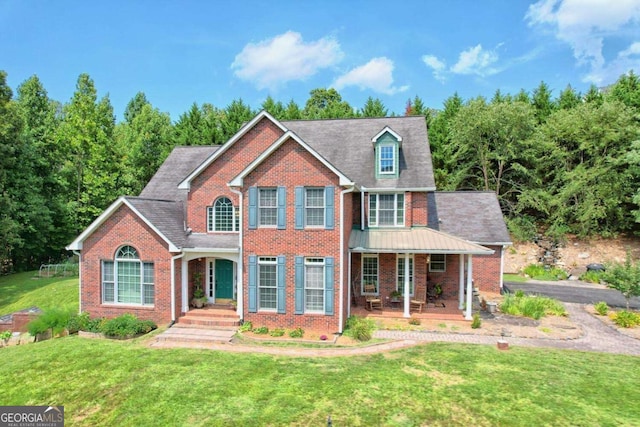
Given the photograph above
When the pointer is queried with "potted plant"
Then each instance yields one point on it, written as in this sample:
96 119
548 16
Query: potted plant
233 304
199 298
395 296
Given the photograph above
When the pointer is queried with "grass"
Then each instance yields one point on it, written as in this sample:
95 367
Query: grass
102 382
532 306
24 290
509 277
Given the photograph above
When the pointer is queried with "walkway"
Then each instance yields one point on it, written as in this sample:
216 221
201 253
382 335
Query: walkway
597 337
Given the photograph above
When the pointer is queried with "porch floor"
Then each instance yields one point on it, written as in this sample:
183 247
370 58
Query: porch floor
450 311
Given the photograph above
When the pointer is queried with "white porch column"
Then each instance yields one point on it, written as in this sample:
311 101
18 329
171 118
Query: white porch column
407 291
467 314
185 281
239 288
461 283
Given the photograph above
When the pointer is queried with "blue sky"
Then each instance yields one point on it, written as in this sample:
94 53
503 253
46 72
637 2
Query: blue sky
182 52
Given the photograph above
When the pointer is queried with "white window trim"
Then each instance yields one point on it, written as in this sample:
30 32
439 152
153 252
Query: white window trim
211 218
260 207
315 262
267 260
412 273
362 292
115 261
444 262
393 159
395 210
323 207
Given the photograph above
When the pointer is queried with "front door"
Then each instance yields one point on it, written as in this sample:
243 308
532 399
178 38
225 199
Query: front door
224 278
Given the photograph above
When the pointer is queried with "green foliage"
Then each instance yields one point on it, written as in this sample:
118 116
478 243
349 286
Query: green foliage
5 335
539 272
591 276
476 322
534 307
54 320
126 326
359 328
296 333
261 330
522 228
626 318
414 321
277 332
246 327
624 278
601 308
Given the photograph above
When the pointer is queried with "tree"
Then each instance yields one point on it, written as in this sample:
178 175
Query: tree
326 104
568 99
190 128
593 96
276 109
374 108
541 102
624 278
235 115
440 139
293 111
135 106
626 90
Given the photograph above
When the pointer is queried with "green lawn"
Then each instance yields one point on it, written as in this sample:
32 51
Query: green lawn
24 290
104 382
508 277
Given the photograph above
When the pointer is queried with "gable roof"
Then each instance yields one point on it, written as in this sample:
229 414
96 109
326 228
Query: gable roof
450 212
185 184
346 144
238 180
161 216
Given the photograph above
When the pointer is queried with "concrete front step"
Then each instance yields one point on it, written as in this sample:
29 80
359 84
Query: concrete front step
212 323
195 335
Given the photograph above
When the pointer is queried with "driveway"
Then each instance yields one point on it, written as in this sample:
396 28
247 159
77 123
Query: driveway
573 291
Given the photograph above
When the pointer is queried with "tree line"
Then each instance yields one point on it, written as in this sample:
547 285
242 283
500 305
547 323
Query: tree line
564 165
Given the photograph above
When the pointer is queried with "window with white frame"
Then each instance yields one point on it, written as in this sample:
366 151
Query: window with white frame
314 207
400 269
267 283
387 159
438 262
386 210
223 216
268 206
314 285
127 280
370 274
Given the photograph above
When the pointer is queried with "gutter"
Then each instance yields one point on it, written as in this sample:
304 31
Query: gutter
239 271
342 250
173 286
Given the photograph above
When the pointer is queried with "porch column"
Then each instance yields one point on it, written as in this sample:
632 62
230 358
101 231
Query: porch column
185 281
467 314
407 291
461 282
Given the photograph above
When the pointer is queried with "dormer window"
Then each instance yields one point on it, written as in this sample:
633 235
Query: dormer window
387 151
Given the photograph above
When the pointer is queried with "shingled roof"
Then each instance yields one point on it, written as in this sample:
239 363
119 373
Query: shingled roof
471 215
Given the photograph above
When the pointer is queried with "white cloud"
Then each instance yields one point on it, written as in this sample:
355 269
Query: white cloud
439 67
376 75
273 62
476 60
584 25
627 60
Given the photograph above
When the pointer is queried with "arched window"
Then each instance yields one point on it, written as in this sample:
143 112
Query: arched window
126 279
222 216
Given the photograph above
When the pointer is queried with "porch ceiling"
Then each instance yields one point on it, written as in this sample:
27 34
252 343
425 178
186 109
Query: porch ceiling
414 240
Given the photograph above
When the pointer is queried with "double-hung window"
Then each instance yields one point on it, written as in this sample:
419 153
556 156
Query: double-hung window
386 210
370 274
268 207
400 269
314 207
438 262
267 283
223 216
387 159
127 280
314 277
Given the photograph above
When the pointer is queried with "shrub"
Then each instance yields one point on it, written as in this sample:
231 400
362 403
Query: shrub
476 323
246 327
278 332
126 326
54 319
591 276
5 335
533 270
531 306
539 272
626 319
359 328
296 333
601 308
78 322
414 321
262 330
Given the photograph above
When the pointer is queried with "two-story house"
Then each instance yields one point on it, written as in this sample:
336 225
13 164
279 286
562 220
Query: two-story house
293 219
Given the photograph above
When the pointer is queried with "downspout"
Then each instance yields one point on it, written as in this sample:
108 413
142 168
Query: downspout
502 267
362 208
239 272
342 250
173 286
79 281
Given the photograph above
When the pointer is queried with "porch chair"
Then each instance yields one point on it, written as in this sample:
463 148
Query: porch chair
372 301
419 299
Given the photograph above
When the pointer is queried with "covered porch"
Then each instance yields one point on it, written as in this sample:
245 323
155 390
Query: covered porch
411 272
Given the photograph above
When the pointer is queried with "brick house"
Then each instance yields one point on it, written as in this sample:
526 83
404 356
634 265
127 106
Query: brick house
291 219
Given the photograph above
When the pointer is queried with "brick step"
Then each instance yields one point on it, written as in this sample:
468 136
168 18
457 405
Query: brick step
211 313
211 322
195 335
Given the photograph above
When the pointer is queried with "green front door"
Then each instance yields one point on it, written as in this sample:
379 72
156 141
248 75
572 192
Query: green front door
224 279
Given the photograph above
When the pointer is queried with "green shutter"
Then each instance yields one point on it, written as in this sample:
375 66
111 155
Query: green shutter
328 285
299 202
282 208
253 208
329 214
281 285
253 283
299 292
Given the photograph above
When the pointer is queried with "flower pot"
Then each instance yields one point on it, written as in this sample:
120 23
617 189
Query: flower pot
503 345
492 307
